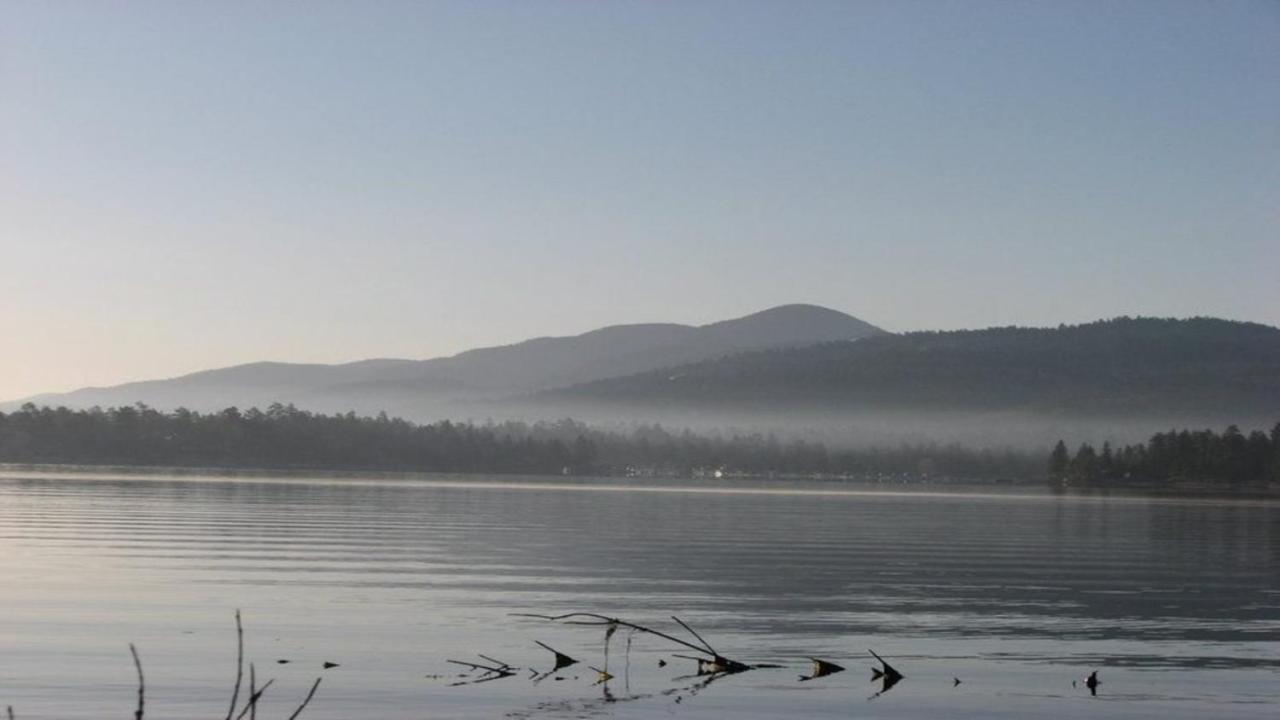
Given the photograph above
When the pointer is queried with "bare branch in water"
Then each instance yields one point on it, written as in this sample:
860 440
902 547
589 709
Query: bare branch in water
706 645
717 662
887 675
251 706
499 663
235 692
253 693
596 619
498 667
562 660
298 712
137 715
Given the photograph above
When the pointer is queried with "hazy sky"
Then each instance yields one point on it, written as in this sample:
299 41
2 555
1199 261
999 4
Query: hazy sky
186 185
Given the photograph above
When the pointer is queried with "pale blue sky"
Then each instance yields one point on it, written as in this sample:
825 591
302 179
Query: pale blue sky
186 185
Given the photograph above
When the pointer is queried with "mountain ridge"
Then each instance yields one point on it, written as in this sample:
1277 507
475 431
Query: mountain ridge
527 366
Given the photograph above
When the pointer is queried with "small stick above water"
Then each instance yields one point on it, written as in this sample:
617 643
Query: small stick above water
251 707
235 691
137 715
305 700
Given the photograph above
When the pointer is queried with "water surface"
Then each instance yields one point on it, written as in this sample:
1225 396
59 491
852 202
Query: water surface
1175 602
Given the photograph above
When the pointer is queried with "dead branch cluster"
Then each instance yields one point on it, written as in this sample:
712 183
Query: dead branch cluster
711 664
237 711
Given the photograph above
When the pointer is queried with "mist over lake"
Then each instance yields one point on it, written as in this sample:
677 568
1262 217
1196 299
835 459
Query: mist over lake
1016 593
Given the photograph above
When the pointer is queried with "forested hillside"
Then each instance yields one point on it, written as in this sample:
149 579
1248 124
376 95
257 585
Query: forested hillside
1126 366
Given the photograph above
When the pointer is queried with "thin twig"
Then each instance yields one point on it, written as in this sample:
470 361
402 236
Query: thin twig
298 712
500 669
597 619
252 706
137 715
253 693
235 693
499 663
706 645
717 660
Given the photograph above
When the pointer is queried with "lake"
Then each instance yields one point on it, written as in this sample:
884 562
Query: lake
1017 593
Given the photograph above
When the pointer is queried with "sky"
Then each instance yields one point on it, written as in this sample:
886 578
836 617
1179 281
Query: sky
186 185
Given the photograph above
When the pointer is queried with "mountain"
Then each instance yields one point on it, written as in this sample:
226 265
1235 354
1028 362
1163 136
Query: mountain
1196 368
429 388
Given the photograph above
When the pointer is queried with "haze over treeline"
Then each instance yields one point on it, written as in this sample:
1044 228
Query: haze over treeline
284 437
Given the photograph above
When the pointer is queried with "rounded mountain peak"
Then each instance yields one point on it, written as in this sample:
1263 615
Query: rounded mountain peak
793 324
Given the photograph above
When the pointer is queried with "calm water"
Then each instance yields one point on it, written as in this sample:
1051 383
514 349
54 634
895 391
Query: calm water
1176 603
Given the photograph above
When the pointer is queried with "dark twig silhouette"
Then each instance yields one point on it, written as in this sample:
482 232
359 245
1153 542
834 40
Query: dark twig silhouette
306 700
235 691
706 645
251 706
496 671
251 703
137 715
715 663
497 667
887 674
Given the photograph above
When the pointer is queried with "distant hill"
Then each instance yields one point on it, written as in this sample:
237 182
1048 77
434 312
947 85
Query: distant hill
431 388
1200 368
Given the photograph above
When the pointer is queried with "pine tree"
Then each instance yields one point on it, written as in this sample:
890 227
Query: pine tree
1059 461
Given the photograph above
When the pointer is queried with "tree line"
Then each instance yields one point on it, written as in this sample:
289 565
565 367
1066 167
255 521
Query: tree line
285 437
1199 455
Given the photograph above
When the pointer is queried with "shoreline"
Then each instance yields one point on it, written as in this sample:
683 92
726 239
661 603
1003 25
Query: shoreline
898 484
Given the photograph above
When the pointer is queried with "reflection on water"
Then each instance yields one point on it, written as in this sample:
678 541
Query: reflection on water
1175 603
